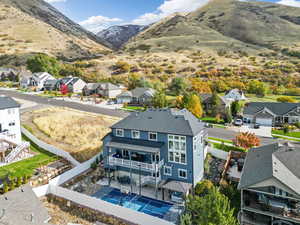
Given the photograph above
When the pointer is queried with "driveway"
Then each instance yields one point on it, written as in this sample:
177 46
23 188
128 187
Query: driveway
263 131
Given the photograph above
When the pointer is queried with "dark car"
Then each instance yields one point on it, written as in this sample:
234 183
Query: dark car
256 126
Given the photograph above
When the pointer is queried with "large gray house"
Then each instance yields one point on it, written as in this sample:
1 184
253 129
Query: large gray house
270 186
271 113
159 148
137 96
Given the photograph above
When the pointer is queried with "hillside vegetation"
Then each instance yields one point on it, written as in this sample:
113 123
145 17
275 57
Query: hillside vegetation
28 27
233 25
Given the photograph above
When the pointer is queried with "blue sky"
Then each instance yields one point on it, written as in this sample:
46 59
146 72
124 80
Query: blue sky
96 15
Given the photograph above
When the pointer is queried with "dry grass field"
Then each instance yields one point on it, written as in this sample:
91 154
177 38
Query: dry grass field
74 131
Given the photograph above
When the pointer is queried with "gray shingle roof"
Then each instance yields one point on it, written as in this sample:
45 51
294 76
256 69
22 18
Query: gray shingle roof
277 108
21 206
8 102
272 161
169 121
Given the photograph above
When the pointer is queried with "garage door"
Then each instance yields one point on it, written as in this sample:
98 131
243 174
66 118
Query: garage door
264 121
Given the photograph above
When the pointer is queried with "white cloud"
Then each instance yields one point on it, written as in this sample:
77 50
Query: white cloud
294 3
52 1
169 7
97 23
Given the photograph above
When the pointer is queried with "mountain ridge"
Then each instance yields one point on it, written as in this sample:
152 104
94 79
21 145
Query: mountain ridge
225 24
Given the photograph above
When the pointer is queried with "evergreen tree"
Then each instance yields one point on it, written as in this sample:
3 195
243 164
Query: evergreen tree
159 100
216 102
214 209
178 86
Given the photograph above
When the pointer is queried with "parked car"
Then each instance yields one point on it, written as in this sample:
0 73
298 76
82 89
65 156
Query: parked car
111 102
256 126
238 122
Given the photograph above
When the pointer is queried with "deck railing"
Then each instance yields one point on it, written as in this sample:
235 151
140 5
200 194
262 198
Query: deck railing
113 161
273 206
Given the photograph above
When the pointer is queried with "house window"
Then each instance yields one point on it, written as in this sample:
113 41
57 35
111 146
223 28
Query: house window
135 134
177 149
168 170
182 173
152 136
120 132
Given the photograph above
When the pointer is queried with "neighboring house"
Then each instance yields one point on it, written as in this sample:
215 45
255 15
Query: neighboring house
10 119
270 186
235 95
25 78
137 96
206 100
74 84
8 74
50 85
107 90
271 113
161 148
38 80
22 207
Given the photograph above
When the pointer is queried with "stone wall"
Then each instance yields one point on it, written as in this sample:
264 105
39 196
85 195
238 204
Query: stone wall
86 213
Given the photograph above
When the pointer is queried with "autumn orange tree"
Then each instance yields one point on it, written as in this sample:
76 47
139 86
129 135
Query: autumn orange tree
246 140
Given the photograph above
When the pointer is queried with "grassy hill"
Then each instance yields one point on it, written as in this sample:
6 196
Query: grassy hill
225 24
31 26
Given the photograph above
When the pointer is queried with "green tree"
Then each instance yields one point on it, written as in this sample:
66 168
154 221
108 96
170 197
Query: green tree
186 219
134 81
236 108
214 209
43 63
228 115
258 88
216 103
203 187
178 86
19 181
159 100
194 106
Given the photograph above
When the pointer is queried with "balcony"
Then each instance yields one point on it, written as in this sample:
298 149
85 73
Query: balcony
148 167
271 205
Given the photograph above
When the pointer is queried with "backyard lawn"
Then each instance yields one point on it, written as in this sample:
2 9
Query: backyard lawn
26 167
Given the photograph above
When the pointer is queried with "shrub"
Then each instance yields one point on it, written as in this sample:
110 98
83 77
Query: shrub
286 99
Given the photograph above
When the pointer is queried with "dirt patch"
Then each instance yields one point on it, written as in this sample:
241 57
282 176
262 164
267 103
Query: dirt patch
76 132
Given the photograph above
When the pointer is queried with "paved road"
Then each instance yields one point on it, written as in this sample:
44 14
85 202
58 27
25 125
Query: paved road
48 101
229 134
212 132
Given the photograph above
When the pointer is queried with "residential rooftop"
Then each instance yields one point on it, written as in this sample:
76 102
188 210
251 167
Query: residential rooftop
275 161
279 108
171 121
22 206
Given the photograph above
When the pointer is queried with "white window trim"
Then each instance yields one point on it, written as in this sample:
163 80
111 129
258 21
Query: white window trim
182 170
121 131
149 136
176 151
138 135
168 174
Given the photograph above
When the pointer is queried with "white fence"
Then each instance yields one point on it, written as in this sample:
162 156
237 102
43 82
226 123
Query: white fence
50 148
106 207
218 153
73 172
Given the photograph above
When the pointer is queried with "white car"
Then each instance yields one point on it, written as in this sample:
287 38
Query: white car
238 122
